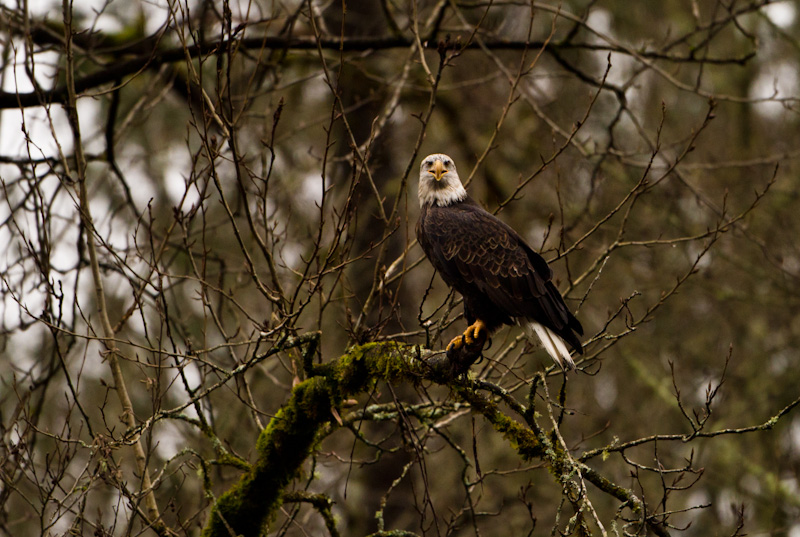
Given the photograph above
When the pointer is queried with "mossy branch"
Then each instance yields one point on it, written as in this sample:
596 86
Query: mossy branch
291 435
320 502
295 430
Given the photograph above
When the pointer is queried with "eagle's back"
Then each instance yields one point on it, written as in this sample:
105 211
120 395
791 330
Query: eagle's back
492 267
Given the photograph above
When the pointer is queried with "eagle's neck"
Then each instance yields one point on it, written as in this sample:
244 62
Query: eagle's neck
431 193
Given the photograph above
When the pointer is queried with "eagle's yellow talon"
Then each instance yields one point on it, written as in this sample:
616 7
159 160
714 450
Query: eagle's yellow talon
468 339
473 332
471 335
455 343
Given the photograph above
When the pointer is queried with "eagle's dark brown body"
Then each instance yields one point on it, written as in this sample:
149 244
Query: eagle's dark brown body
500 277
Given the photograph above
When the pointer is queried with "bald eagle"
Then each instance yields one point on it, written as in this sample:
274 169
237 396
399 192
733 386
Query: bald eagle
500 277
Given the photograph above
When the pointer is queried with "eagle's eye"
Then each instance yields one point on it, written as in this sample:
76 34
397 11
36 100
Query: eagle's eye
447 163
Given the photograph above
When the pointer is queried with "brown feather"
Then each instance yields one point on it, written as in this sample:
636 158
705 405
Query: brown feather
500 277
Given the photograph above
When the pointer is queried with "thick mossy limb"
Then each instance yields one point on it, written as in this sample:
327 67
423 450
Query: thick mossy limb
282 447
290 436
363 365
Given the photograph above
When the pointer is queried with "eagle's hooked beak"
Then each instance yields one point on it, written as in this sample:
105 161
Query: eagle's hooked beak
438 170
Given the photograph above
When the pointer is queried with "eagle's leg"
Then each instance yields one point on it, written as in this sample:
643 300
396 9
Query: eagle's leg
477 331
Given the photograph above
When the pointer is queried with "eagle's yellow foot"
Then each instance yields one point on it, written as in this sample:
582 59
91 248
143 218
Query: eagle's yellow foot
455 343
475 332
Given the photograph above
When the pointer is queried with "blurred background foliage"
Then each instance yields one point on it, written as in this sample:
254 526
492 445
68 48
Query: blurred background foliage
629 141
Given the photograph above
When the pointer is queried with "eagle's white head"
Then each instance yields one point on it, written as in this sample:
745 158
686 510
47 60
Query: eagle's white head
438 181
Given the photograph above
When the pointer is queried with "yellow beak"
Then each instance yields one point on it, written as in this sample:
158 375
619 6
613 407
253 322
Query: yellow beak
438 170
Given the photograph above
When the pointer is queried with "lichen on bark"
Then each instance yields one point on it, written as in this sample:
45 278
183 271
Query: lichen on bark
291 435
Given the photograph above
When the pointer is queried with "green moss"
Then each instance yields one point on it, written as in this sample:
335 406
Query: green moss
522 439
363 365
282 447
290 436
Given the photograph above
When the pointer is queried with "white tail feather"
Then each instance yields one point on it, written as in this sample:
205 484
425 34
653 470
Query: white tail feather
553 344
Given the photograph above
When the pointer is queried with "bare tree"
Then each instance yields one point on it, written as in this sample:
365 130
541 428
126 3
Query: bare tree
216 319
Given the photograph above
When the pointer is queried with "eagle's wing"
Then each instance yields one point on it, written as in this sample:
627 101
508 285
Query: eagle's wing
474 248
